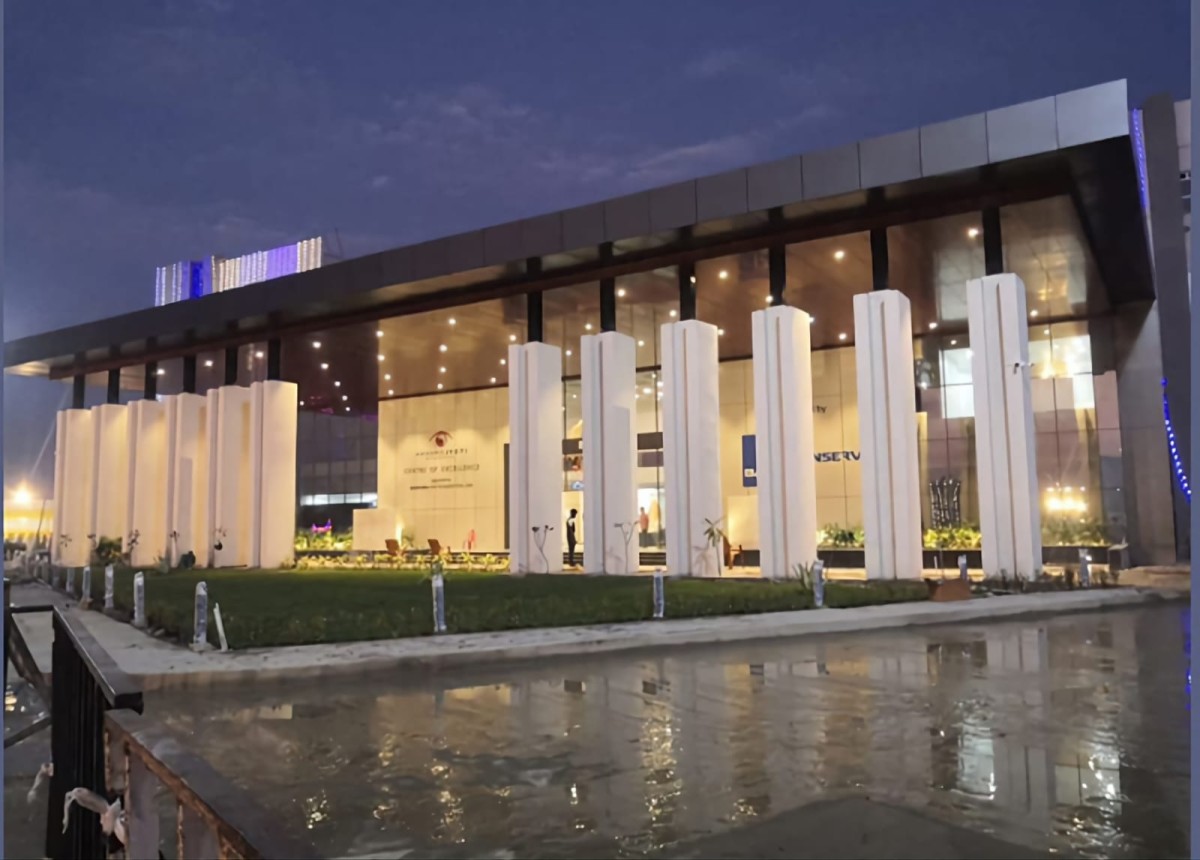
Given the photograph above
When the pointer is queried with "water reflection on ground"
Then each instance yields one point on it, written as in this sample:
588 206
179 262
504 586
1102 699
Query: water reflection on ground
1069 735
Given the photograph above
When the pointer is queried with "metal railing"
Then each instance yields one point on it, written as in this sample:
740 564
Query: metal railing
85 685
213 818
100 742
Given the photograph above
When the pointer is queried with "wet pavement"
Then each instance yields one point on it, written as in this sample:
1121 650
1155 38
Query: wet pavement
1067 736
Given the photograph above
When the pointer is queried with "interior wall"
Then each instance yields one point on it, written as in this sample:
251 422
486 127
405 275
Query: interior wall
441 466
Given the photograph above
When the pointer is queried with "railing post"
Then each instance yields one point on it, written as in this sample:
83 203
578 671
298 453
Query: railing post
193 837
141 811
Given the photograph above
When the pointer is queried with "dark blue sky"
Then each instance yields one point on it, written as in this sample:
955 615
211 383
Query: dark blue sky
138 133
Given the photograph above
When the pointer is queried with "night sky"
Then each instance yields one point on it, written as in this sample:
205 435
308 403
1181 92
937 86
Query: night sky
141 133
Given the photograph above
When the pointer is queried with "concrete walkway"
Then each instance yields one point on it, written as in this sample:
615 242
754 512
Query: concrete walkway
161 665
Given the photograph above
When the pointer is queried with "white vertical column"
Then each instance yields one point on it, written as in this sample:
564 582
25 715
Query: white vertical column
1010 519
232 502
58 511
110 477
273 469
786 470
148 484
609 452
205 553
691 447
73 509
887 417
535 427
188 503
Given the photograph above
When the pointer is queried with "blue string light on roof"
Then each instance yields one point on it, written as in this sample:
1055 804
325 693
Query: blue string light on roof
1176 461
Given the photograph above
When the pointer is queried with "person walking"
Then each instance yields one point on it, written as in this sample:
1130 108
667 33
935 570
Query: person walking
571 537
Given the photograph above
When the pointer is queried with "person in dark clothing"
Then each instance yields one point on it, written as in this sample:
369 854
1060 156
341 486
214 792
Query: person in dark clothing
571 537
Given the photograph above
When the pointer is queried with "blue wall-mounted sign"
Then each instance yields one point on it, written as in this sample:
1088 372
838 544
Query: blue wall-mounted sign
749 462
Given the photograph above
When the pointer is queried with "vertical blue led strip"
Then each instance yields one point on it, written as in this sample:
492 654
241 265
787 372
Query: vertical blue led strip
1177 466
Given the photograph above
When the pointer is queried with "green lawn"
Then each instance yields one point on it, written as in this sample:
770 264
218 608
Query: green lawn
269 607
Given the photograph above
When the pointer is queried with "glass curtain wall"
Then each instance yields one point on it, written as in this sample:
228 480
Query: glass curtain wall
645 302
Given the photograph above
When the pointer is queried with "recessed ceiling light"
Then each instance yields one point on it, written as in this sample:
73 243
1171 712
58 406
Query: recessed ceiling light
316 344
720 332
722 274
504 361
391 391
812 320
659 383
347 408
842 336
440 386
568 353
512 338
161 372
324 365
972 232
387 377
441 370
954 343
693 279
770 298
932 326
1033 313
345 397
672 313
453 321
258 354
574 396
493 380
337 383
1046 330
587 326
301 402
208 363
621 293
839 254
645 391
378 332
641 343
443 348
380 356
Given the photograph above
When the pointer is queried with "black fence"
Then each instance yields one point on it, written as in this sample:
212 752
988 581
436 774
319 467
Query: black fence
85 685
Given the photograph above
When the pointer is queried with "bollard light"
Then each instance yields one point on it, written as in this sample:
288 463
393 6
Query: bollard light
962 569
85 599
71 581
439 604
1085 570
139 600
200 618
108 588
818 576
660 597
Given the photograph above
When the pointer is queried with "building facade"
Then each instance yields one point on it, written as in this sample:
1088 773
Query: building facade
426 406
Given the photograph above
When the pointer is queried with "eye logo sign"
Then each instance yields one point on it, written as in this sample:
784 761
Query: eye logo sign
440 438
